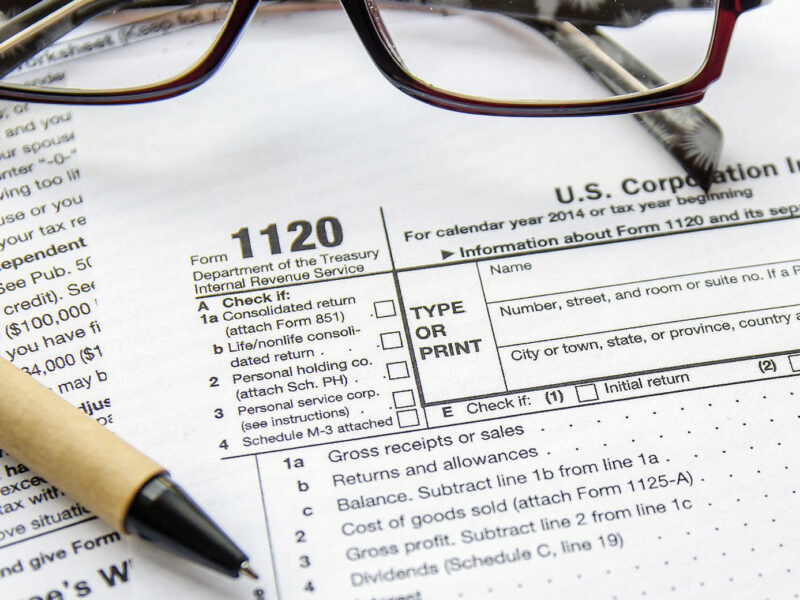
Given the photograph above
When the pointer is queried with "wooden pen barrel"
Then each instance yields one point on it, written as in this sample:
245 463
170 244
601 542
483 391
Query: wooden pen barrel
72 451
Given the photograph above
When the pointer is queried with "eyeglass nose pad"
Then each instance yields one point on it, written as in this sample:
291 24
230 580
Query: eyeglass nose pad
377 20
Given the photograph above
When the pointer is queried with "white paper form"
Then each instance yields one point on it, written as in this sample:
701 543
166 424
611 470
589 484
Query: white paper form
52 327
469 386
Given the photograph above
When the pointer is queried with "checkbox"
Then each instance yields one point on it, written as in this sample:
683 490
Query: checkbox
397 370
407 418
384 308
794 362
587 392
391 340
403 398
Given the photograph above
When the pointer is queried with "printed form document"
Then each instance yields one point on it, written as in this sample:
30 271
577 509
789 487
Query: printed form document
405 354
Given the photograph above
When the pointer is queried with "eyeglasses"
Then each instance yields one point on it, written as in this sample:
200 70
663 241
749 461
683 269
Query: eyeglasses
491 57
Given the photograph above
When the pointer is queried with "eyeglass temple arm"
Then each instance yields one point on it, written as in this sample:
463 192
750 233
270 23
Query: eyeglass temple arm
687 133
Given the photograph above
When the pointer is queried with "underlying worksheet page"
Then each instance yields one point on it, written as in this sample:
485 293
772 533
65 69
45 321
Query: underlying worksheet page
405 354
52 326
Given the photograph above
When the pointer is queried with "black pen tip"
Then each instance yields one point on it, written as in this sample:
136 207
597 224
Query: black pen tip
162 513
246 570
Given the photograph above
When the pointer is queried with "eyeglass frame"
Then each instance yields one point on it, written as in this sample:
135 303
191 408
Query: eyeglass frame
689 91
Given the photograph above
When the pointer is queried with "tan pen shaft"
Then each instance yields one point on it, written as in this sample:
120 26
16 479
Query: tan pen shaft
72 451
112 479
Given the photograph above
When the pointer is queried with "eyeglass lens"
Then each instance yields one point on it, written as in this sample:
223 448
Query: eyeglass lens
105 45
495 48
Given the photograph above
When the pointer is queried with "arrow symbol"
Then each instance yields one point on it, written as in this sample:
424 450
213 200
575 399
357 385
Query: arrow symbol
446 254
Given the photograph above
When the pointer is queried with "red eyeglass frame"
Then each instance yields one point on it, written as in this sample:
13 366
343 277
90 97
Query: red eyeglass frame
681 94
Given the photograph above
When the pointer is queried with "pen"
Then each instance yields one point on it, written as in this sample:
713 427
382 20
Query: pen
118 483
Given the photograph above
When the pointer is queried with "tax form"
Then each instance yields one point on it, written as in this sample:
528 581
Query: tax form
406 354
